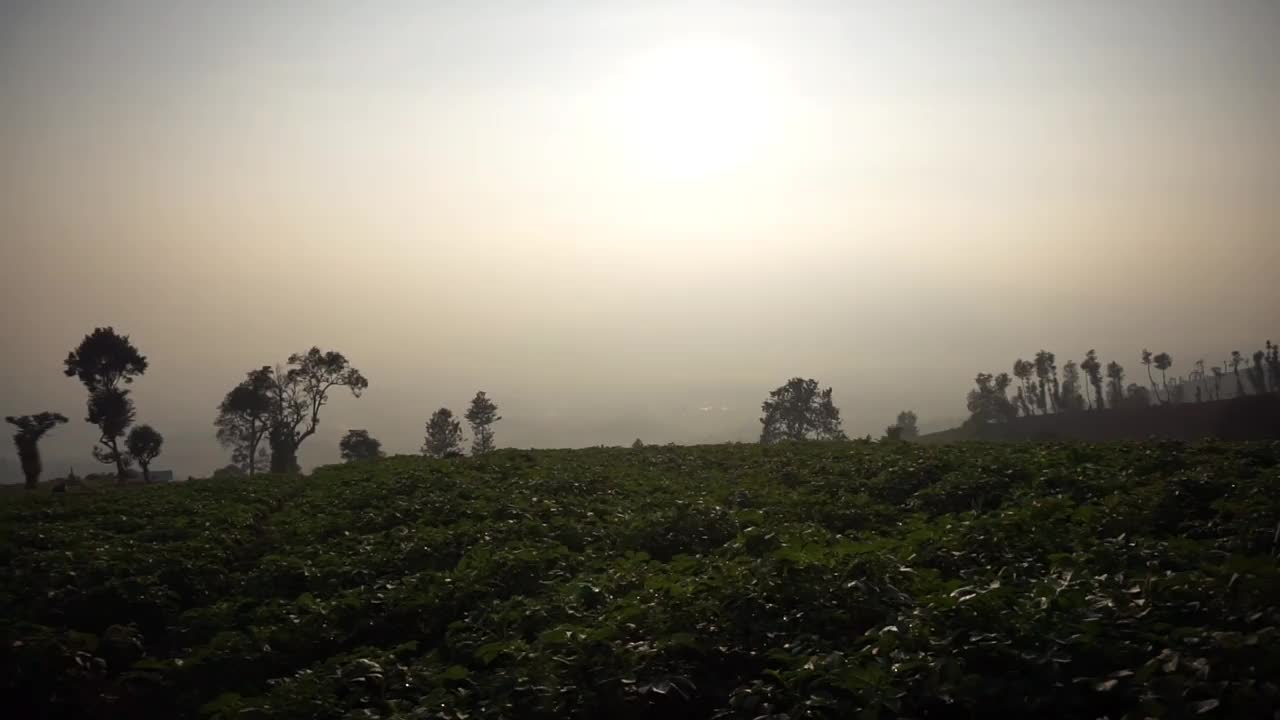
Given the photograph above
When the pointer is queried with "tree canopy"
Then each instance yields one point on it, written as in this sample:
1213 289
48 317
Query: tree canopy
800 410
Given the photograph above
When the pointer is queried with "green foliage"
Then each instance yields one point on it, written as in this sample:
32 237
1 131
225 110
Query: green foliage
359 445
814 580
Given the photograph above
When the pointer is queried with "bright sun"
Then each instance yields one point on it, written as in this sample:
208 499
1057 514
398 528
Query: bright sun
697 110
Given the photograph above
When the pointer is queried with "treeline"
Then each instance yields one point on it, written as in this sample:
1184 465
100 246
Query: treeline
1038 387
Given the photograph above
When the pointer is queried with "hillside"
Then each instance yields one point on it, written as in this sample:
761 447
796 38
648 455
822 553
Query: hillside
740 581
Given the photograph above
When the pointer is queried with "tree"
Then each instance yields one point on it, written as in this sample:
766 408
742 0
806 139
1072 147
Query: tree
1137 396
638 444
1026 397
481 416
1163 362
1236 361
27 440
907 421
1199 376
989 402
1071 399
228 471
1217 382
799 410
144 445
1115 384
444 435
1093 371
298 391
358 445
244 418
103 361
893 433
1258 374
1146 360
1046 375
1273 364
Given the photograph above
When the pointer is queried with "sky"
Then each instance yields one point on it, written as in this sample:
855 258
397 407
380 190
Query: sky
625 220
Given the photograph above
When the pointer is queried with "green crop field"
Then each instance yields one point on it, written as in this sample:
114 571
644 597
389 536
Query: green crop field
822 580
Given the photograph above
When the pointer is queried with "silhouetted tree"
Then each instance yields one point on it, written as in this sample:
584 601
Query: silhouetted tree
1071 399
799 410
1217 383
1093 370
1148 361
244 418
1115 384
1236 361
481 416
228 471
1137 396
637 444
1026 395
444 435
1198 376
1273 365
989 402
103 361
907 421
358 445
893 433
1163 362
27 441
1046 376
298 391
1258 373
144 445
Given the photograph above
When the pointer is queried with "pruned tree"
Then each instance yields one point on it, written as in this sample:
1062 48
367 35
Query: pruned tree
144 445
800 410
1093 371
907 421
444 435
298 392
244 418
104 361
1115 384
1163 362
27 441
989 402
359 446
482 414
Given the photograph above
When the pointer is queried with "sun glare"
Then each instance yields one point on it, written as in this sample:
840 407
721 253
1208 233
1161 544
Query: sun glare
695 110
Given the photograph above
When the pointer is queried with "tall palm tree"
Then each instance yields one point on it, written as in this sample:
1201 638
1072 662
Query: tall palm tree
1093 370
1146 360
1043 361
1022 369
1164 361
1236 361
1115 384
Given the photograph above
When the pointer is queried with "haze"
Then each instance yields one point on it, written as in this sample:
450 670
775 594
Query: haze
625 220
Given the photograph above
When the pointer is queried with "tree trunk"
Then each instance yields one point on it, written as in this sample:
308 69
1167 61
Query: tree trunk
146 472
284 458
115 453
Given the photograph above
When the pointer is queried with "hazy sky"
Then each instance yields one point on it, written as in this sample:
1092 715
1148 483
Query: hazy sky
625 219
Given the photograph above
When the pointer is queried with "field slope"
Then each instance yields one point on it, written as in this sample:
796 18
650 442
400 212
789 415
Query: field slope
801 581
